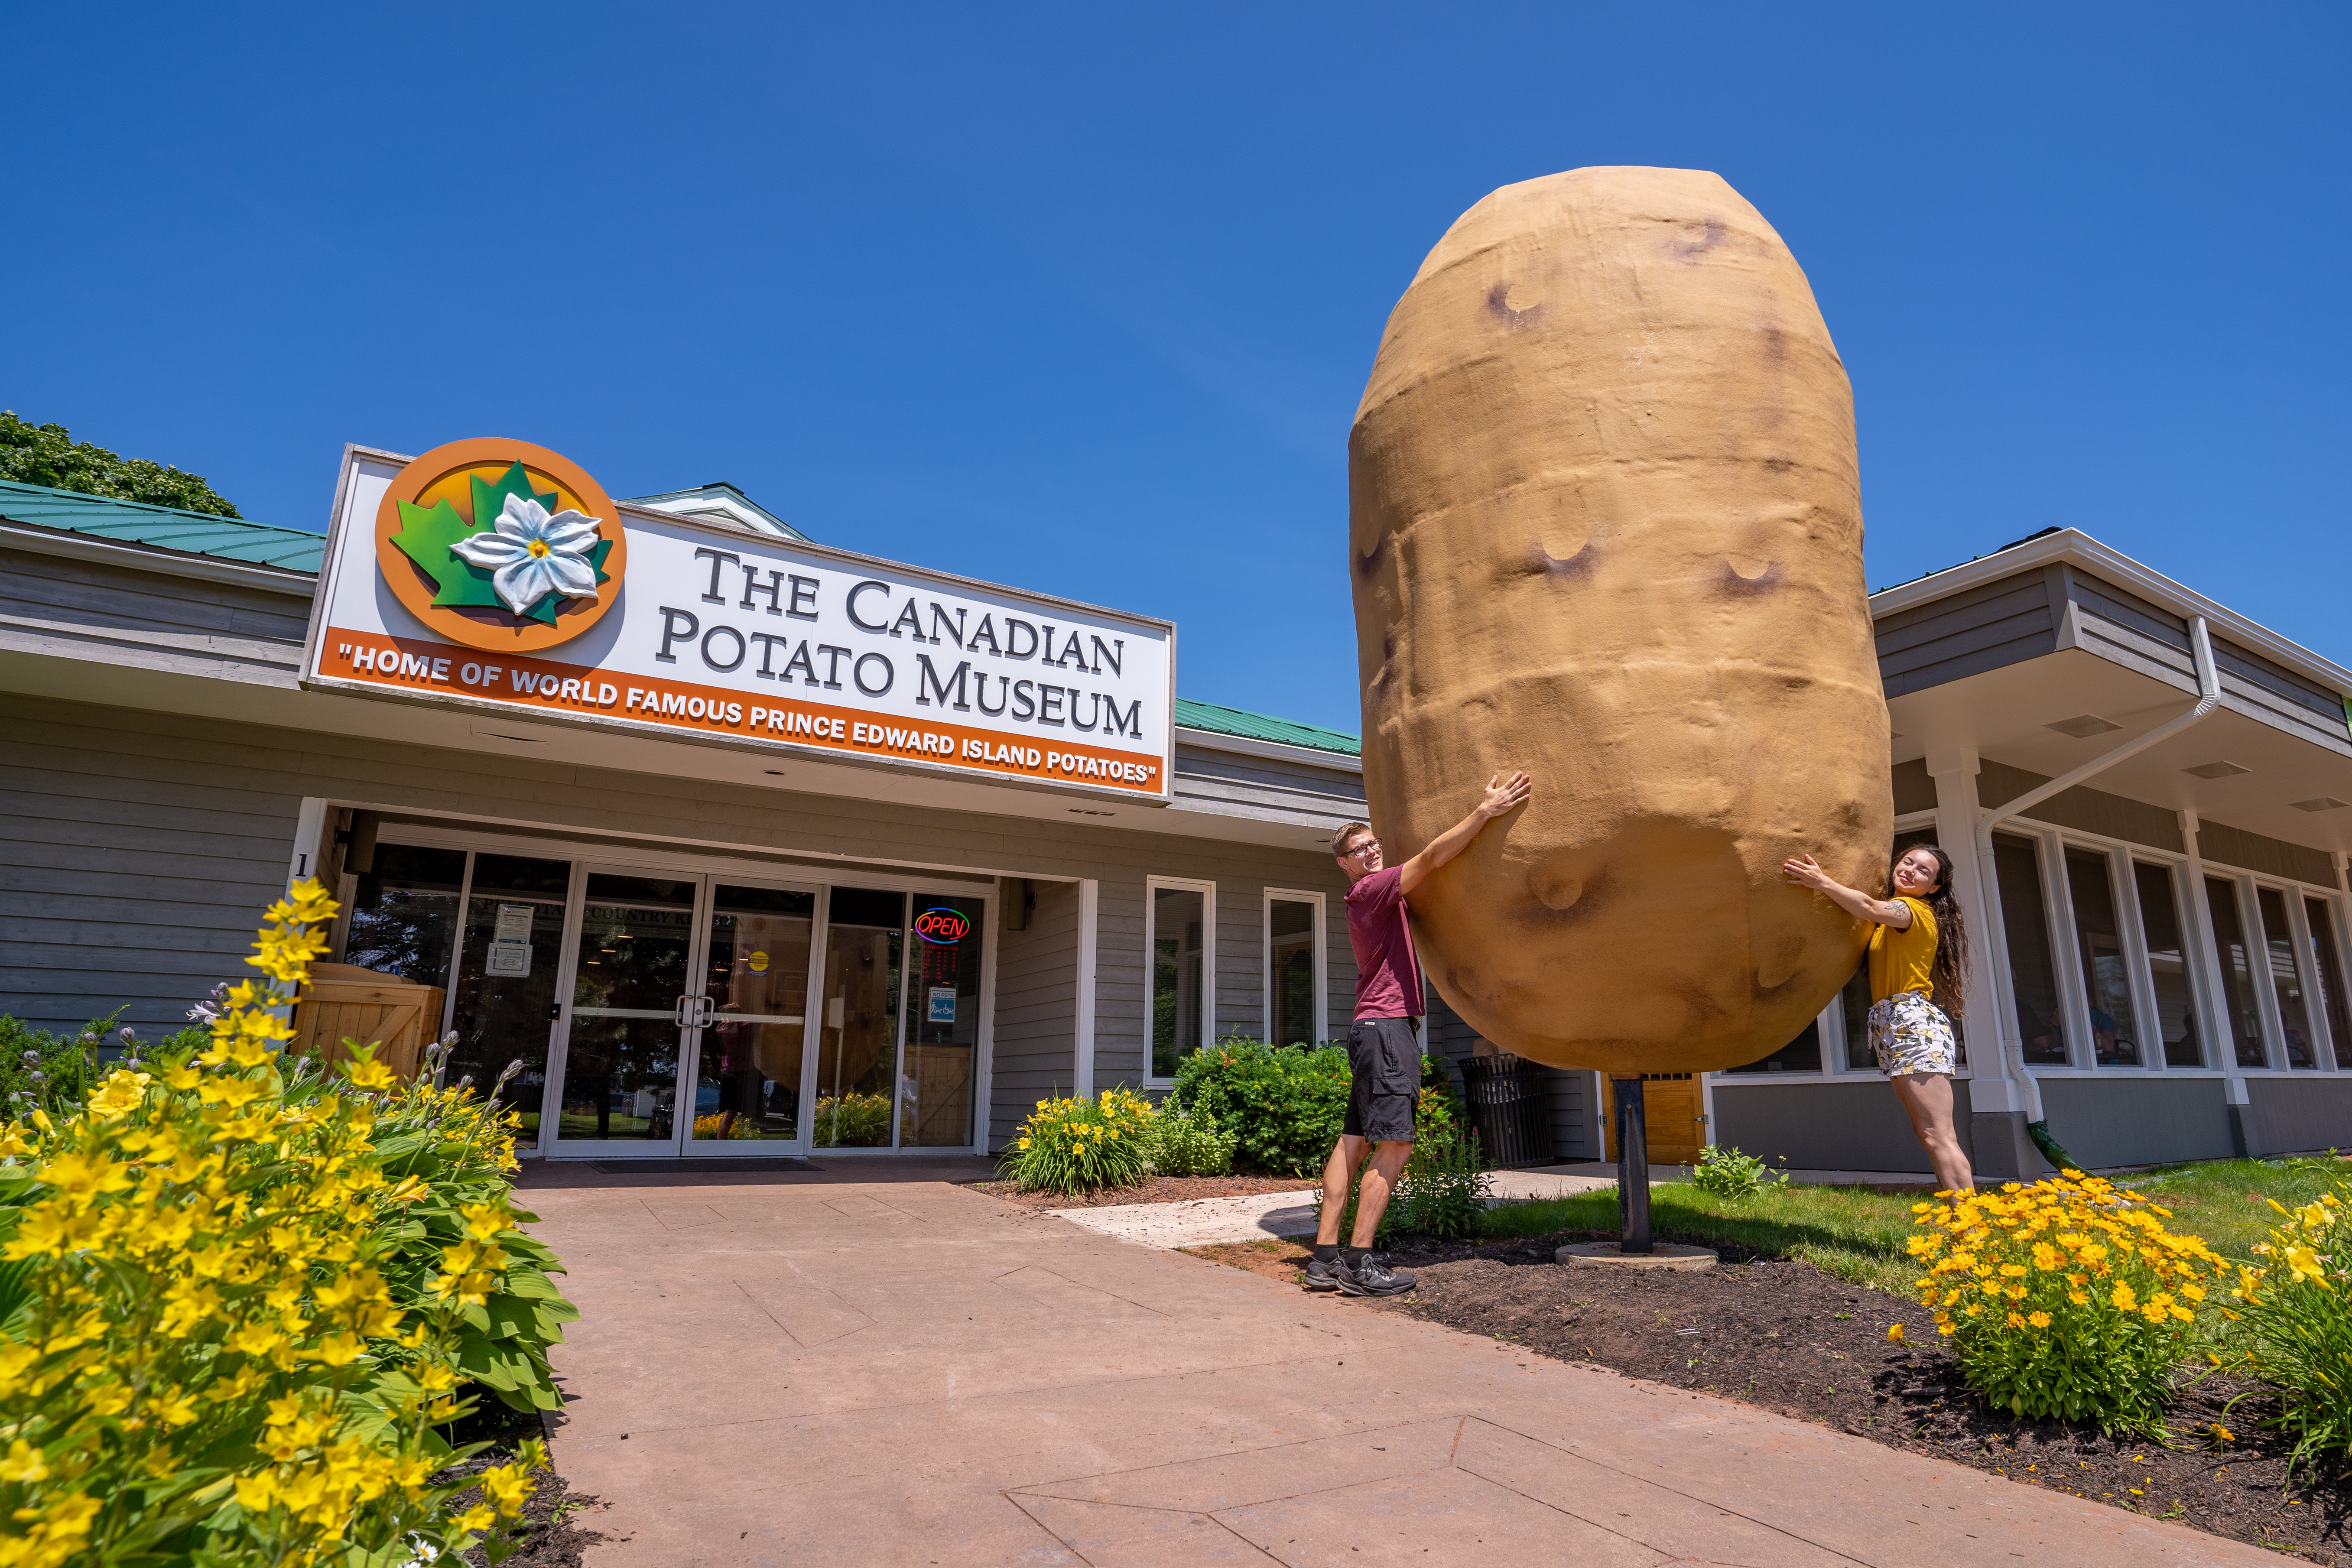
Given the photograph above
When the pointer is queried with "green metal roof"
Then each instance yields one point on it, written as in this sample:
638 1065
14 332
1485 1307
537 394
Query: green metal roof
162 527
1208 716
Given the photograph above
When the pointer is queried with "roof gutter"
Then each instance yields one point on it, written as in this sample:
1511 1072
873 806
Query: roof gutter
2208 696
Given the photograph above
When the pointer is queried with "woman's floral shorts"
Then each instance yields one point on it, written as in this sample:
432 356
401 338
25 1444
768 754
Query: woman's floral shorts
1910 1034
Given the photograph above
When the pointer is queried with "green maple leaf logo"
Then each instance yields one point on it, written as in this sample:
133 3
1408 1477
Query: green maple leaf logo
428 532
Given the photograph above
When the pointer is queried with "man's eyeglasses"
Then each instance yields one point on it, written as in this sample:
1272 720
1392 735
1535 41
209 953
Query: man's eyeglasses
1360 846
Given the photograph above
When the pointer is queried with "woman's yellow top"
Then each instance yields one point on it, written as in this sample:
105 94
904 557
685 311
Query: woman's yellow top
1904 959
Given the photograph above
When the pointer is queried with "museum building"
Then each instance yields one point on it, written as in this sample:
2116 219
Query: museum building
746 845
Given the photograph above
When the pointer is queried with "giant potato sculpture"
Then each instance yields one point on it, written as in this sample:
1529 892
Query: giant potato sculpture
1605 524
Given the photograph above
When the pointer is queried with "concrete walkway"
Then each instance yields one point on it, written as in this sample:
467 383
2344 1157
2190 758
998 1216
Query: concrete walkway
797 1369
1197 1222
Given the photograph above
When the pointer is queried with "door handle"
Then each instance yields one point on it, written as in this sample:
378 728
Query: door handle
677 1011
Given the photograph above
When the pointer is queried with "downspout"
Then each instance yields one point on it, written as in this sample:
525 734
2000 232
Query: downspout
2209 695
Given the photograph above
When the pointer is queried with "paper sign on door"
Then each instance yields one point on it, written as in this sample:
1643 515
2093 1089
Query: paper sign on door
943 1005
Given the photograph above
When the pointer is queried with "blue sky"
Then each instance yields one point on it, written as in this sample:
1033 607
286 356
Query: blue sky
1082 297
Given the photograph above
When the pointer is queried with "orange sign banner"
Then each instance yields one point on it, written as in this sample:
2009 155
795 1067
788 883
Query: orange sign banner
677 706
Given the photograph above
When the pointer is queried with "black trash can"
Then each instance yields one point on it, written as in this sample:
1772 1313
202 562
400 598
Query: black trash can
1509 1108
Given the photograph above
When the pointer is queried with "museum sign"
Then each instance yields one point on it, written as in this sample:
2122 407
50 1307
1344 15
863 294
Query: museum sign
496 574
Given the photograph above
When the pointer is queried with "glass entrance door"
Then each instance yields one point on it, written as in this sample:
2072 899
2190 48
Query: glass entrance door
896 1064
689 1013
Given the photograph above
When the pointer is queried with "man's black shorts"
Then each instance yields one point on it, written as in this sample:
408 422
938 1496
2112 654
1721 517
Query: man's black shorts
1384 1068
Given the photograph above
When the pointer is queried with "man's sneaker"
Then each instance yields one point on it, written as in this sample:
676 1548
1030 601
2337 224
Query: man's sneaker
1322 1274
1371 1278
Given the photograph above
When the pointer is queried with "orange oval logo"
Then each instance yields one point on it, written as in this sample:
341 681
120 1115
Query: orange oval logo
500 545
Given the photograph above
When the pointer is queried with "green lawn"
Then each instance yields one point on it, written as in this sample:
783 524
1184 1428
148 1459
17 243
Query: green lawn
1857 1235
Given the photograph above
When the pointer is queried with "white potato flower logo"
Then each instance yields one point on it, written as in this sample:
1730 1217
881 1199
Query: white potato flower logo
529 553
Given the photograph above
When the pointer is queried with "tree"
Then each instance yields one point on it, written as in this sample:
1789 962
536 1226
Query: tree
48 455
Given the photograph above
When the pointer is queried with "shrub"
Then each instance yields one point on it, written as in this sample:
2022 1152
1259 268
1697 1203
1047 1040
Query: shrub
2064 1299
1082 1145
1728 1173
852 1122
1444 1190
1184 1144
1284 1104
2295 1323
238 1299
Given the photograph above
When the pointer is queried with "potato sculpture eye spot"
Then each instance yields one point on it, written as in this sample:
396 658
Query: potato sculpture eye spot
1700 698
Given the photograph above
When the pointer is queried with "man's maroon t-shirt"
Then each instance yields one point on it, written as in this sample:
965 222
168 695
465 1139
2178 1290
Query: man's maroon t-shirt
1387 978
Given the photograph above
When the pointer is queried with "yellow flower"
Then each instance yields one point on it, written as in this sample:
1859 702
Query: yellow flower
24 1463
2080 1299
2039 1320
2123 1298
1894 1333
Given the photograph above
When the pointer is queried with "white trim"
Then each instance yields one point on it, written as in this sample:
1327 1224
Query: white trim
1082 1043
2074 547
1249 746
1265 961
1208 891
310 832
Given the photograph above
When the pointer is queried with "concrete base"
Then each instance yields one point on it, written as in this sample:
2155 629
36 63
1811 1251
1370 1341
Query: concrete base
1662 1255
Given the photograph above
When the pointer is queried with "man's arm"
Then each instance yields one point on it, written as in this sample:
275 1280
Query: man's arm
1504 791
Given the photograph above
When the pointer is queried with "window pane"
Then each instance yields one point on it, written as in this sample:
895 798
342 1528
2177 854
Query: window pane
2237 972
1854 1003
620 1066
405 911
2098 938
2168 961
756 975
1295 1021
2032 976
858 1036
2278 938
1802 1054
1176 930
942 1026
2329 975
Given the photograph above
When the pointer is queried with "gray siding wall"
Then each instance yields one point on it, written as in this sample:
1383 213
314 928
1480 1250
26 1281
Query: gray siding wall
2272 857
1036 1009
2297 1115
140 848
194 624
1990 626
2113 1119
2082 808
1826 1126
1913 790
1267 786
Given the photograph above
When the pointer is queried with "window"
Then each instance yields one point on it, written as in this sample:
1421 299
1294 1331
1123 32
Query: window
1295 999
2287 984
2098 941
1853 1004
1802 1054
2167 961
405 914
2236 972
2329 977
1178 933
2033 979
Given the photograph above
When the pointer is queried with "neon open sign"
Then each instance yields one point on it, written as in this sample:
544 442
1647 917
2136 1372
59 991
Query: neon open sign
942 926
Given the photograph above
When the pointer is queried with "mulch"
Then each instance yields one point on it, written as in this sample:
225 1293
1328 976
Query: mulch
1792 1339
552 1535
1158 1190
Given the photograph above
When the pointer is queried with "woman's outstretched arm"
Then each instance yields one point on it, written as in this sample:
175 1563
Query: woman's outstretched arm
1806 872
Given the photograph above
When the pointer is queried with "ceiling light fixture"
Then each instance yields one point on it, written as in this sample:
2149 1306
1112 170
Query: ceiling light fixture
2217 771
2083 726
2321 803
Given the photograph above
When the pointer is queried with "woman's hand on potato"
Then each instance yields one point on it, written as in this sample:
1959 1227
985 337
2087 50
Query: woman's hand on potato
1806 872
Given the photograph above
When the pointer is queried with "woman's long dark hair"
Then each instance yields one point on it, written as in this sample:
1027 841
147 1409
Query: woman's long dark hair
1950 969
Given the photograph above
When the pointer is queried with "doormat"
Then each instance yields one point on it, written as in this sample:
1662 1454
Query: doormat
635 1167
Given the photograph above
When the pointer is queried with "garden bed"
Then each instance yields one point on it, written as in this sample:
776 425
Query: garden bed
552 1535
1789 1337
1153 1190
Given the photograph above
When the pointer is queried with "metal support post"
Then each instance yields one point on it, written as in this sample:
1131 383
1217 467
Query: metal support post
1633 1164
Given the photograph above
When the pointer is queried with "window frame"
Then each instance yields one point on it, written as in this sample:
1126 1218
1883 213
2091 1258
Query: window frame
1208 891
1270 897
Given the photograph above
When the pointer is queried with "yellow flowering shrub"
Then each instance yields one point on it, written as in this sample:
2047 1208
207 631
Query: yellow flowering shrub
2294 1323
1082 1145
2065 1298
237 1299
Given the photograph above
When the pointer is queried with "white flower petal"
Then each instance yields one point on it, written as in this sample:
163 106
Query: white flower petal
523 518
522 583
571 576
570 531
490 551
